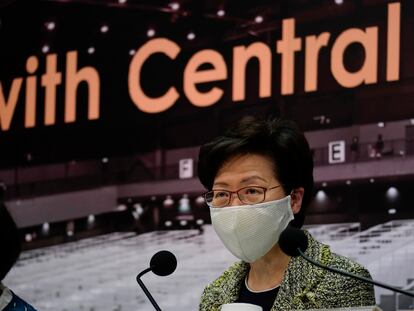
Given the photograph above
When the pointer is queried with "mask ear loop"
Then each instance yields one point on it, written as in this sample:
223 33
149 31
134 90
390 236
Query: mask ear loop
292 194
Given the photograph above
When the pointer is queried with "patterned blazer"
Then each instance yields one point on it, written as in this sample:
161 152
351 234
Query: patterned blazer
304 286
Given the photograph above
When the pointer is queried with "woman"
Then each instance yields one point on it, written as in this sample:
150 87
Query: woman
260 179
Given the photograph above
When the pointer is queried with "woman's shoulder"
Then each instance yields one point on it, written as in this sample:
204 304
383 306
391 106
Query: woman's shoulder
322 252
347 291
349 265
232 275
225 288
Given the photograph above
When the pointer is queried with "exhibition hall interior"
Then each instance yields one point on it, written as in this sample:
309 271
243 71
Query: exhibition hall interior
104 105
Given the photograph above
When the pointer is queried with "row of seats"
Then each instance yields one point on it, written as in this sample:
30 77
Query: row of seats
99 273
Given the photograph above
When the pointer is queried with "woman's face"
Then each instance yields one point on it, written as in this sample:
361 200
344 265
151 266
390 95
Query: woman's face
248 170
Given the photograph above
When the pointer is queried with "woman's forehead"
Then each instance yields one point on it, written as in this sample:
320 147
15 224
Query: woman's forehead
245 168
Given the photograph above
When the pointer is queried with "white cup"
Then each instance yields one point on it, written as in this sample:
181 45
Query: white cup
240 307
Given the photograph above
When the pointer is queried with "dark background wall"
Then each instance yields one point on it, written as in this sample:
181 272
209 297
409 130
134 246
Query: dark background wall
123 129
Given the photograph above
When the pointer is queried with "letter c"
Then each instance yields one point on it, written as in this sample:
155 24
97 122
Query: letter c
140 99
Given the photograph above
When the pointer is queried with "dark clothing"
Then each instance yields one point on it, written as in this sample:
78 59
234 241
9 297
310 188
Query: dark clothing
264 299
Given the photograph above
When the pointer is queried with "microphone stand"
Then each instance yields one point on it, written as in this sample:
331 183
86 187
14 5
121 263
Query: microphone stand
145 289
345 273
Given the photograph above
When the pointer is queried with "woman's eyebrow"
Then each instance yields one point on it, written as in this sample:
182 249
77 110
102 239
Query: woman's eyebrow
220 184
243 181
252 178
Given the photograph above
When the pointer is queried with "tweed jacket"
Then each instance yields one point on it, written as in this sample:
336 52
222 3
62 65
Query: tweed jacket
304 286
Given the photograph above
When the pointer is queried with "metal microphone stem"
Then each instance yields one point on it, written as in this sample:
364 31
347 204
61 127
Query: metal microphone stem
146 290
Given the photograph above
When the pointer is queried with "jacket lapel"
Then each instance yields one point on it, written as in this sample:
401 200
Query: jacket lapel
302 278
236 275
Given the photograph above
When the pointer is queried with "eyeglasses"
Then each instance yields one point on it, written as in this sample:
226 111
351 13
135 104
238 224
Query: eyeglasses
246 195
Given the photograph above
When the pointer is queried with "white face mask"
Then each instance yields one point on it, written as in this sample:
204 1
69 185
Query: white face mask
250 231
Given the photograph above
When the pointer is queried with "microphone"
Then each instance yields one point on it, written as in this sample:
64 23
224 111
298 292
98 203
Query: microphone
293 242
162 263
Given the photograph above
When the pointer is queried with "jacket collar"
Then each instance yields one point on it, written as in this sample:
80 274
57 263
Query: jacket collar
301 278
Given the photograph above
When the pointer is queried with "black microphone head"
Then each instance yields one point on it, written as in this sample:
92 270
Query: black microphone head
163 263
292 239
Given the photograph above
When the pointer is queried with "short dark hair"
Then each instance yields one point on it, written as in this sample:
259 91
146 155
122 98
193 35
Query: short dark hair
9 241
280 140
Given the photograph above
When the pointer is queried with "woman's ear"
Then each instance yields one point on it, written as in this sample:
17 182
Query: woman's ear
296 199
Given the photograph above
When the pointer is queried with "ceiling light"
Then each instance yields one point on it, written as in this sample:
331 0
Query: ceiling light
28 237
392 193
221 13
175 6
392 211
121 208
258 19
191 36
50 25
138 208
200 222
104 28
91 219
151 32
45 228
168 201
200 200
45 48
321 196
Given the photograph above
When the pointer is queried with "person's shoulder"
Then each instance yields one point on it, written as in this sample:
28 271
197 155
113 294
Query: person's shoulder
224 288
322 252
349 265
350 291
339 283
18 304
230 275
343 291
